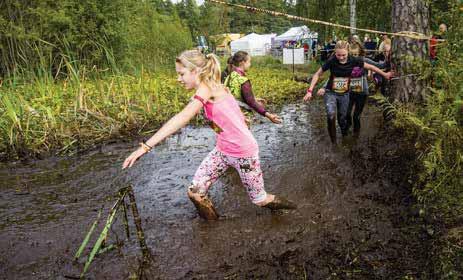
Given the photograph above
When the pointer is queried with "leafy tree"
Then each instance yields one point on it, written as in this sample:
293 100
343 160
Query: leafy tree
213 20
155 39
189 12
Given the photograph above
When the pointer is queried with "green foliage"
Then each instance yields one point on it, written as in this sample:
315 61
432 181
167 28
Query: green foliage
436 128
370 14
441 12
44 37
389 110
48 29
50 116
188 11
275 85
439 128
242 21
212 19
154 39
266 61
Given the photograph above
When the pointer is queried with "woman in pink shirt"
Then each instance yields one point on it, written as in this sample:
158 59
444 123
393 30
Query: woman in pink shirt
236 146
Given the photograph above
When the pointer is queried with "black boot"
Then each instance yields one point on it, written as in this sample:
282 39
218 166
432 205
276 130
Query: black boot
349 122
332 130
356 125
280 203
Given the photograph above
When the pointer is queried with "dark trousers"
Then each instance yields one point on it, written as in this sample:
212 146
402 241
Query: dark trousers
356 102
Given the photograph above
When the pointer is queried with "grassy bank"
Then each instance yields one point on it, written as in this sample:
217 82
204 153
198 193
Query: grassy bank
48 116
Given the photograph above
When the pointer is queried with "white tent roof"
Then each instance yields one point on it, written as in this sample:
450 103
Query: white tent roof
295 33
254 44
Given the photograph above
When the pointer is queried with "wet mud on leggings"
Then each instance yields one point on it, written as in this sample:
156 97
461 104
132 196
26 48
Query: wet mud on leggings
336 106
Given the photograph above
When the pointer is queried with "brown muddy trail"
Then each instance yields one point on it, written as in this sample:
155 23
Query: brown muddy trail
354 219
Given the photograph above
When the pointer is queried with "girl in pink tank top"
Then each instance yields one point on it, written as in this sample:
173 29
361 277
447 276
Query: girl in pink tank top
233 137
236 146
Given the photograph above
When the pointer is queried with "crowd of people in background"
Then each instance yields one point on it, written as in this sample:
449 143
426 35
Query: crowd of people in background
374 47
377 48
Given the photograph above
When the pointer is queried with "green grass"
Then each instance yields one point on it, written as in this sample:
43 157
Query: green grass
49 116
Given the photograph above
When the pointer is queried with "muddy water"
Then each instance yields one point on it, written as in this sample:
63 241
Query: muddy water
345 227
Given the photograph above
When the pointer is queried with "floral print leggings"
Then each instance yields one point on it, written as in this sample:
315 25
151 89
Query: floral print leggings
216 163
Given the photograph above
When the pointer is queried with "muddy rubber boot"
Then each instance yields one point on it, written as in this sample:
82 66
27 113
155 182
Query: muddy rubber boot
332 130
348 122
280 203
204 205
356 125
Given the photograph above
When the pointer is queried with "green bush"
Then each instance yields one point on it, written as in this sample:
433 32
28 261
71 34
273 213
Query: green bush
47 37
437 130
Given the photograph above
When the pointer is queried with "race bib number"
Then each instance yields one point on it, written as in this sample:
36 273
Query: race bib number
340 84
356 85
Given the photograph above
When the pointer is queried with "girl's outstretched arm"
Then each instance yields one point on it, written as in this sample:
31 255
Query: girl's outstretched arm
313 82
387 75
175 123
249 98
380 65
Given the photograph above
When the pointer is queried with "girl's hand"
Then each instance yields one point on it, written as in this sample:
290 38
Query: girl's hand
308 95
389 75
273 118
321 91
130 160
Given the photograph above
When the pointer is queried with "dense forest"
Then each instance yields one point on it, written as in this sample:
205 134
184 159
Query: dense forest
49 35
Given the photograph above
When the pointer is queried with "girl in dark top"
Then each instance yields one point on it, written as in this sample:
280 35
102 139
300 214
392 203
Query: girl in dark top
358 86
386 67
337 94
240 85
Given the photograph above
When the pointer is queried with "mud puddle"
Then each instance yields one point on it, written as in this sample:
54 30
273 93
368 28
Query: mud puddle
349 225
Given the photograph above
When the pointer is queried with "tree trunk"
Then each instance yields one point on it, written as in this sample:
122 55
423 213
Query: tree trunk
409 15
353 15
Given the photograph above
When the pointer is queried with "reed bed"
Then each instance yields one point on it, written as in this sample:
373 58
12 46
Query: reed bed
49 116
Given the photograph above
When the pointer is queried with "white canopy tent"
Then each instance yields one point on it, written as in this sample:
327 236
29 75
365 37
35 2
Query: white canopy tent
295 34
254 44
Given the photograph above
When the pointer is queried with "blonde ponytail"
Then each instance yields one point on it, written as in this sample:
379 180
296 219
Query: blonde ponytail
210 73
208 66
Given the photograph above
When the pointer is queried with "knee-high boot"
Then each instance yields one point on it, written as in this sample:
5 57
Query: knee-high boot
332 129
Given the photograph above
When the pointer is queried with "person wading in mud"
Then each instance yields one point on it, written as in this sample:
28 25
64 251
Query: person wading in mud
358 86
241 88
336 97
236 146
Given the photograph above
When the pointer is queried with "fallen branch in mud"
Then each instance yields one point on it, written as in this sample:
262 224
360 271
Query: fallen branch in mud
100 246
146 254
